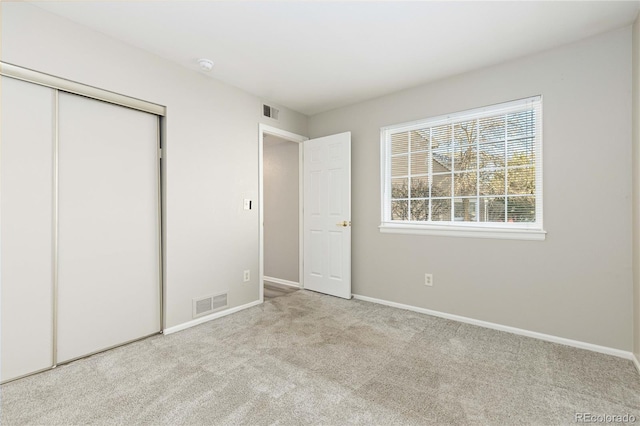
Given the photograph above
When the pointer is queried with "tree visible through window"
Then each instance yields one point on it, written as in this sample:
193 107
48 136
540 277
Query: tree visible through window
475 167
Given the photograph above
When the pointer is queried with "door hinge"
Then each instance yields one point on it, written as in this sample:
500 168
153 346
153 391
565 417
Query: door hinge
159 152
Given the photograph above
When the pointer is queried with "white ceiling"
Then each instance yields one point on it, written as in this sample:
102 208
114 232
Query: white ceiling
316 56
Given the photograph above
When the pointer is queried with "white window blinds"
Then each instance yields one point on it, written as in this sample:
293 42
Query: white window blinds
479 168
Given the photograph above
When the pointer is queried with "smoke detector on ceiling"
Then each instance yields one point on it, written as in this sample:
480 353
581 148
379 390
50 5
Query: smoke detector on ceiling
205 64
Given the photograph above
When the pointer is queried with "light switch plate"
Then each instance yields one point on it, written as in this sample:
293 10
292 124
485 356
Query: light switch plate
247 204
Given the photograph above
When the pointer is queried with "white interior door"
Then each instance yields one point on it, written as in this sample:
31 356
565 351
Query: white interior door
108 273
26 211
327 215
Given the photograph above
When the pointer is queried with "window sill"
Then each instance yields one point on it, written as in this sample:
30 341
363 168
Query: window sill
464 231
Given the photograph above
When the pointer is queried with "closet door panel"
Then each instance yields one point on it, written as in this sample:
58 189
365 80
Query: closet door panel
26 228
109 291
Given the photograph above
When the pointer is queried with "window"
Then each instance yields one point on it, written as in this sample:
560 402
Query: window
472 173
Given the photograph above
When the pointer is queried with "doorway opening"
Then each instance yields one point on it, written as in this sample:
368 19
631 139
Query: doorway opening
280 205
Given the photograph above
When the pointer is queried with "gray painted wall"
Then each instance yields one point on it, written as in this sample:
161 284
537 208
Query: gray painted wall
211 152
636 188
578 283
281 208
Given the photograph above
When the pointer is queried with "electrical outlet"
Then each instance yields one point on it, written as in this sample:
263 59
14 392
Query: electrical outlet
247 275
428 279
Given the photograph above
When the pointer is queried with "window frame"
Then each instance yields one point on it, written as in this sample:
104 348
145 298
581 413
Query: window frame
499 230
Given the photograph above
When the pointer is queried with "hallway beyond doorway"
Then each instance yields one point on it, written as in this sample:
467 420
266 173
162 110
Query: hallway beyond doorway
272 290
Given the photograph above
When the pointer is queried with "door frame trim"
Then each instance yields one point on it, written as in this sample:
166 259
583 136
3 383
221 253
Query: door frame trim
299 139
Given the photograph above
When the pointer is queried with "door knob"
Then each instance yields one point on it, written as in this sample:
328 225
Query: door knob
344 223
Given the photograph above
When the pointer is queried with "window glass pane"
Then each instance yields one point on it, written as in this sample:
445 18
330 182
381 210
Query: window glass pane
464 183
491 155
441 210
419 163
441 186
492 129
491 209
419 210
520 152
492 182
400 165
441 146
521 124
420 187
420 140
465 157
441 159
521 209
465 133
399 210
464 209
521 180
400 188
399 143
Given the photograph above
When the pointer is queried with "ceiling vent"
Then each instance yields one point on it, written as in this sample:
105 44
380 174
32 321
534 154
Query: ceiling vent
209 304
269 111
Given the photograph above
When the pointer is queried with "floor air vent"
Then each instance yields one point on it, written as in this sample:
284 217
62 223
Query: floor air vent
206 305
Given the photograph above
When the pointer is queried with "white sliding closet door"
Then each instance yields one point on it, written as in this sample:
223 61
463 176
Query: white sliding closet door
26 212
108 273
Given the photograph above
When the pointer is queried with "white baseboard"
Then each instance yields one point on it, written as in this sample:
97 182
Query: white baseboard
636 363
210 317
281 281
546 337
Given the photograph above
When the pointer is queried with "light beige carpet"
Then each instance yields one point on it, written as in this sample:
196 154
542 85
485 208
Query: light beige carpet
306 359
